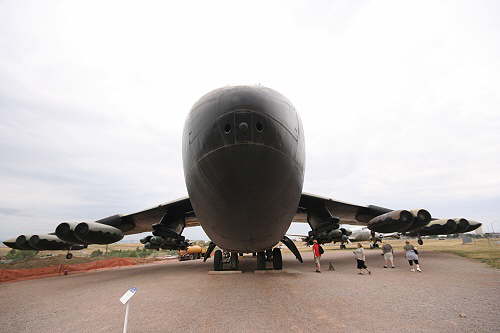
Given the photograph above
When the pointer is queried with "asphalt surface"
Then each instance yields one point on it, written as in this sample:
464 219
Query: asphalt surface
453 294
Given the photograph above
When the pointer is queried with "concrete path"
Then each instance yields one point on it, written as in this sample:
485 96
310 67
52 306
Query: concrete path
452 294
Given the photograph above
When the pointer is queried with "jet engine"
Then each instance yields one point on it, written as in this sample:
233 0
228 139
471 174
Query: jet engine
22 243
48 242
65 231
439 227
400 221
473 225
447 226
97 233
395 221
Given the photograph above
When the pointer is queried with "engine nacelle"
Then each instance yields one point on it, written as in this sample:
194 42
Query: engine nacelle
462 225
439 227
473 225
395 221
421 218
97 233
22 242
11 243
66 232
48 242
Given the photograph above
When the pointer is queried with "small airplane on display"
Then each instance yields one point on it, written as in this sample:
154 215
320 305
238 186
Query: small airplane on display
243 154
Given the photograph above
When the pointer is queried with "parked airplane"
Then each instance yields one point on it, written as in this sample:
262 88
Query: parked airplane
355 234
244 154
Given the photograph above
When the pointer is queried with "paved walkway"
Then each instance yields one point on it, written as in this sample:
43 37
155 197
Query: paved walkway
453 294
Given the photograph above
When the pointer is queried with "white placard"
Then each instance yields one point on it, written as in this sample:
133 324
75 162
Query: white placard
128 295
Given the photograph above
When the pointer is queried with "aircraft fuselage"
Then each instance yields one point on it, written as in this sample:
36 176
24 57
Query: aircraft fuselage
244 154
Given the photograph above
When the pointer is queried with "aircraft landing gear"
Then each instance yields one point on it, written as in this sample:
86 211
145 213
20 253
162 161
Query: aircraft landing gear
374 246
269 255
218 260
261 260
69 255
277 259
342 246
420 241
234 261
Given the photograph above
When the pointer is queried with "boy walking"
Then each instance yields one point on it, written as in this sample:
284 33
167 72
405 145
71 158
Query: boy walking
359 254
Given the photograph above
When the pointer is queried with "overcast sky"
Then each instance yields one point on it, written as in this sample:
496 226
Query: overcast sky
400 100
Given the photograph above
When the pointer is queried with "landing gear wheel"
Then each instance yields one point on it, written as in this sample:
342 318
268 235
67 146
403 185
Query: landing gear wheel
342 246
277 260
218 260
420 241
269 255
376 246
234 261
254 254
261 260
240 254
69 256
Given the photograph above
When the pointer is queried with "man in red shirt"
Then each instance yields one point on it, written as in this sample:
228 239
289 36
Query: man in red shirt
317 256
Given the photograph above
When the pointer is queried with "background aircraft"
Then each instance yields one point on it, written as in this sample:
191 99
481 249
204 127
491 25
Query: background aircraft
243 156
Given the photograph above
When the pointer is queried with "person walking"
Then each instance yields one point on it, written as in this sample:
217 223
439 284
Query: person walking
317 255
412 256
359 254
388 255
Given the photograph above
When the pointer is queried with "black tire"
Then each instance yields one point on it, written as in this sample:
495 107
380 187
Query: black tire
269 255
218 260
376 246
254 254
420 242
261 260
69 256
342 246
234 261
277 260
240 254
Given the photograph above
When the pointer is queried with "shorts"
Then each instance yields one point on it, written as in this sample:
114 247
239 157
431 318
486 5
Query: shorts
388 256
413 261
316 260
361 264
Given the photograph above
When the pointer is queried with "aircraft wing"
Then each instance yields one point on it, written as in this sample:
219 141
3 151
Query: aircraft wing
347 213
142 221
68 235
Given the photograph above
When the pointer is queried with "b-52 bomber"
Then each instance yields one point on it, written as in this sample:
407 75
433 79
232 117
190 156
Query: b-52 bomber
243 153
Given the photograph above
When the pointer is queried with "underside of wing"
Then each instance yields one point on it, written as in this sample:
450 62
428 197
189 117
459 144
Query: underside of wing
167 221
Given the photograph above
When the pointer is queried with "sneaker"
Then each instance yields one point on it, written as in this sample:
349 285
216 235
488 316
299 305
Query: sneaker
412 270
393 267
369 273
419 270
360 273
318 271
385 266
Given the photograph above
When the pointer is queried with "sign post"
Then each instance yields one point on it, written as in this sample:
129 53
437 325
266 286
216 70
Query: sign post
125 300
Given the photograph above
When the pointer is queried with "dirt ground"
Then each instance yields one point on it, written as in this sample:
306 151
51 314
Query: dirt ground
453 294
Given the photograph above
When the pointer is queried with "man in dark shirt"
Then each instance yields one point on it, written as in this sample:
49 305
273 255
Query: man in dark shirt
388 255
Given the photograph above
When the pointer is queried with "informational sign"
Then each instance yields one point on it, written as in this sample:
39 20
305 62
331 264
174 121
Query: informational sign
128 295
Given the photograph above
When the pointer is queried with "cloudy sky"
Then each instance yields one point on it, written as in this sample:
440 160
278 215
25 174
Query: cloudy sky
400 100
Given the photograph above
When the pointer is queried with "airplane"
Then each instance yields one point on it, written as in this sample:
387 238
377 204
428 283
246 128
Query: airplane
243 151
355 234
